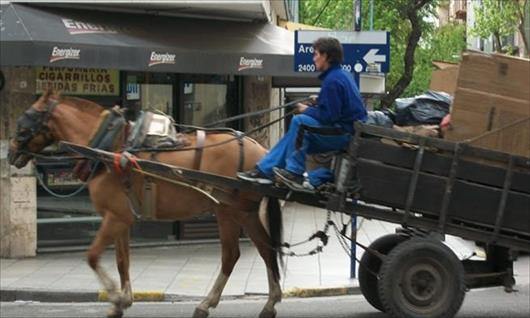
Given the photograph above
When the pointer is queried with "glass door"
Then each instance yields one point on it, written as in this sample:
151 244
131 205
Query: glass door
157 97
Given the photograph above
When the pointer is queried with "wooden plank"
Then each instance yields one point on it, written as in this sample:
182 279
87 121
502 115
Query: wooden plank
439 164
464 230
441 144
387 185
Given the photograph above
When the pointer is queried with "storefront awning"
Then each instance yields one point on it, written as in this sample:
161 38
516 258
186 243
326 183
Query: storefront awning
43 36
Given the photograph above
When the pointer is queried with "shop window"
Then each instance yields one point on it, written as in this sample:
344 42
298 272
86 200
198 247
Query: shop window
204 103
158 97
206 99
149 91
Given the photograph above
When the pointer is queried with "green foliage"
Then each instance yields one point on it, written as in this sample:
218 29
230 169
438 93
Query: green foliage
496 18
334 14
442 44
445 43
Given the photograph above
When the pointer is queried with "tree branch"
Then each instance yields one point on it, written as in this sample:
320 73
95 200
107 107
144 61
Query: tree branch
412 43
520 26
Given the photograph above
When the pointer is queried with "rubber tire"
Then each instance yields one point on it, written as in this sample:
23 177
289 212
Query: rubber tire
421 253
370 263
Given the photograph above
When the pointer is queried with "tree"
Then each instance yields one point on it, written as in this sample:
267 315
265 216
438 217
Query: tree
332 14
523 11
415 13
445 43
499 18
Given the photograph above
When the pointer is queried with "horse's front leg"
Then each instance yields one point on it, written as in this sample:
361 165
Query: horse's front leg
111 230
122 261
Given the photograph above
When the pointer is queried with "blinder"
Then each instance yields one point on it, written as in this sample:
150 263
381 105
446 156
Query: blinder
32 122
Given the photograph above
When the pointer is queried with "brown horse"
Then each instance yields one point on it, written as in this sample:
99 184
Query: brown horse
53 118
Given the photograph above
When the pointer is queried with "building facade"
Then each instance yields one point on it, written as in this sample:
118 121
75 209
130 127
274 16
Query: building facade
463 12
197 62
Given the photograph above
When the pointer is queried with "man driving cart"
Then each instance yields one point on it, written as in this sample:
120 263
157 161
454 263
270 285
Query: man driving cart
338 106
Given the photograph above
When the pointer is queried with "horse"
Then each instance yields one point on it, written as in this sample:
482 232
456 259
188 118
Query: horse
53 118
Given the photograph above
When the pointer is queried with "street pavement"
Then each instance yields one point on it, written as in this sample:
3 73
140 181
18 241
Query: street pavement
187 272
484 303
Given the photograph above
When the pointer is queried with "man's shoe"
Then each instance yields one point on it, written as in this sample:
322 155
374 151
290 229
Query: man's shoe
289 178
254 175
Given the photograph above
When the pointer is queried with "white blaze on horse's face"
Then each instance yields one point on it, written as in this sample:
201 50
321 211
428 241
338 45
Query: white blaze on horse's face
32 133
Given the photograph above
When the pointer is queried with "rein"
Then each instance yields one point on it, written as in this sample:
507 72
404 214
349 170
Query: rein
257 113
226 120
69 195
245 134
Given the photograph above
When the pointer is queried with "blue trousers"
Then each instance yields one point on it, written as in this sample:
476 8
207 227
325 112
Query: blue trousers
285 155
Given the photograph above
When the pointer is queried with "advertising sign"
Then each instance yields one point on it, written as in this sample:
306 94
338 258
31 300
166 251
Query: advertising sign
78 81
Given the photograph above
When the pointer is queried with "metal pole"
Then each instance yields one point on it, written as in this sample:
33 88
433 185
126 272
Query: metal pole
357 76
357 6
353 247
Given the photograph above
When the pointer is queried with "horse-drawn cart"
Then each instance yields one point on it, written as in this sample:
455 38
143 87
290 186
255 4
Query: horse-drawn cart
432 188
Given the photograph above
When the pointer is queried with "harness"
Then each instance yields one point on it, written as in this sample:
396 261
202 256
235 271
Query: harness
113 128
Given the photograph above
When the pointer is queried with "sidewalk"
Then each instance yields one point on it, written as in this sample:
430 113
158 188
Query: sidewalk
188 271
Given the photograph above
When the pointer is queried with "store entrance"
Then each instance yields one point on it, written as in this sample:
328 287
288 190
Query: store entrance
157 97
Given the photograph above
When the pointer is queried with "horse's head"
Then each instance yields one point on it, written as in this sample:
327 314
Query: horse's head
33 133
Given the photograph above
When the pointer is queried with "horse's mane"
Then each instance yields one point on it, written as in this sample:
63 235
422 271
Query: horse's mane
82 104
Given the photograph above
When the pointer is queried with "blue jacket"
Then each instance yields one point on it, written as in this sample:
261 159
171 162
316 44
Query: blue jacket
339 101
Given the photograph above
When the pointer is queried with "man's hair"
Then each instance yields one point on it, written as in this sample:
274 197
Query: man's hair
331 47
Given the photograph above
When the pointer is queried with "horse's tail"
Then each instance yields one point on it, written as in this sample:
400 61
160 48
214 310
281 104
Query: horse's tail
275 225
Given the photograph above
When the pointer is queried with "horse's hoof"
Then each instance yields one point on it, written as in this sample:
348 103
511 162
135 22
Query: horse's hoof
114 313
267 313
200 313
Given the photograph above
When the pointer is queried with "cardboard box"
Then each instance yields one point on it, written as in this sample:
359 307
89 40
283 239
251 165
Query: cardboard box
492 93
444 77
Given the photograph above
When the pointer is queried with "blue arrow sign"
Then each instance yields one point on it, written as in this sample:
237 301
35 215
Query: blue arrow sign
363 51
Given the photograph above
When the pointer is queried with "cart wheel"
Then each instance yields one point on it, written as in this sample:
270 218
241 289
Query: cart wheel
421 278
371 264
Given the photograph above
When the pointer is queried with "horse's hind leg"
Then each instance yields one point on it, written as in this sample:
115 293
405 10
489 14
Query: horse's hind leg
229 232
111 229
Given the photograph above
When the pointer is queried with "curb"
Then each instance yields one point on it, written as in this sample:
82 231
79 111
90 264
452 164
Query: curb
61 296
321 292
137 296
48 295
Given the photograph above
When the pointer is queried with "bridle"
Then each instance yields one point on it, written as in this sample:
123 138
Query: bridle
32 122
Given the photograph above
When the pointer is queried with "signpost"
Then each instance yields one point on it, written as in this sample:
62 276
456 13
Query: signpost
364 51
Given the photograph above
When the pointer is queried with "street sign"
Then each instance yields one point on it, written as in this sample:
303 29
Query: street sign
133 91
363 51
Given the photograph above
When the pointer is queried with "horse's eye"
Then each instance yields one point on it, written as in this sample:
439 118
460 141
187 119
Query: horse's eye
23 134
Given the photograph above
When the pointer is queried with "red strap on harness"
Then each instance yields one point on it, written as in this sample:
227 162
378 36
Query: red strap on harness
121 165
117 166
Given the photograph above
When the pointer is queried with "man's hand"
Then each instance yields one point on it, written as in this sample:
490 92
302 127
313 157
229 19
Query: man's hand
313 99
300 108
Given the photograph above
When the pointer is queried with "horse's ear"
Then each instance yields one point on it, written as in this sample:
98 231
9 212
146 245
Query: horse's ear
47 94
